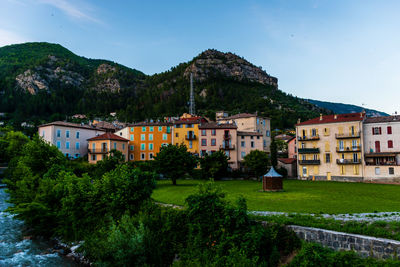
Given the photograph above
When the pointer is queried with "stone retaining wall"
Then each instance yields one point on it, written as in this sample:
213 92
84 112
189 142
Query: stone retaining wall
364 246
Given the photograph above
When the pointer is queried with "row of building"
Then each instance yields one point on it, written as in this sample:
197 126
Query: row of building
348 147
236 135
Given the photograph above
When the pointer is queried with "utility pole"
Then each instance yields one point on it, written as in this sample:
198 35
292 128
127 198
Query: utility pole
192 106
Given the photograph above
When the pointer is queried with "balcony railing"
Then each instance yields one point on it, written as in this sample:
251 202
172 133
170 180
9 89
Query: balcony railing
308 138
308 150
348 149
99 151
227 136
348 161
190 137
310 162
348 135
228 147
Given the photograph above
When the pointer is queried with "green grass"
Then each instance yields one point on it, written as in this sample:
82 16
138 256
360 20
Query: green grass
299 196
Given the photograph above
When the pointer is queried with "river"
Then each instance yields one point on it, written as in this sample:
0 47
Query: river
17 251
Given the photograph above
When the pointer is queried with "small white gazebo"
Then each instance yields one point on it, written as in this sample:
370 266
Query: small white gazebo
272 181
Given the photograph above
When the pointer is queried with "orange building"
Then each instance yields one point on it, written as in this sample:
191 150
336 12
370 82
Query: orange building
146 139
100 146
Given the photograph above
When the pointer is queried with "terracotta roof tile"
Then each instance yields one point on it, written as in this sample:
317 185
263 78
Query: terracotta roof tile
144 123
383 119
287 160
214 125
108 136
70 124
331 119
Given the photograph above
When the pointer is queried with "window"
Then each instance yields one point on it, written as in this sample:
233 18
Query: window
242 137
190 144
143 129
67 145
326 131
142 146
268 134
258 121
160 128
243 154
189 126
77 145
123 146
341 145
376 130
150 155
94 157
314 132
131 156
42 133
143 137
390 144
132 137
142 156
227 153
131 129
203 132
58 133
213 142
203 142
67 134
164 137
355 157
58 144
391 170
389 130
354 144
77 135
203 153
150 137
258 137
151 129
131 147
327 157
178 126
243 144
77 155
377 170
304 171
265 142
252 143
213 132
94 146
150 146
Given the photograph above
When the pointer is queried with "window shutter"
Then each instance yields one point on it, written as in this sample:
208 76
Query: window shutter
373 132
380 130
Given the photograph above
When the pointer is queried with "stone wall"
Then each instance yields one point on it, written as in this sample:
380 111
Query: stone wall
364 246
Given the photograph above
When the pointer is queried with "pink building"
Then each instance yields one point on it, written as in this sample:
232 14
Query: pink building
292 148
248 141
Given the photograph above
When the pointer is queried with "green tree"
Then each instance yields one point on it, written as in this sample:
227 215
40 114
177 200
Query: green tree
174 161
257 162
214 165
274 153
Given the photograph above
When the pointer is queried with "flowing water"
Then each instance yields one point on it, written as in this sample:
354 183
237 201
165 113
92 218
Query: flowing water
17 251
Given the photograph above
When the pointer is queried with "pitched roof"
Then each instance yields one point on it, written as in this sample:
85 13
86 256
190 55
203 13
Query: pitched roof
382 119
70 124
284 137
287 160
145 123
192 120
249 133
334 118
214 125
108 136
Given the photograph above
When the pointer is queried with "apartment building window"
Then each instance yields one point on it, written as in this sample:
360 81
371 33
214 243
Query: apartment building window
132 137
252 143
189 126
328 158
42 133
142 146
164 137
77 155
176 135
314 132
213 142
258 137
143 137
123 146
341 145
303 145
213 132
377 171
67 134
243 154
58 133
326 131
390 144
203 132
203 142
160 128
315 157
131 129
265 143
242 137
131 147
151 155
352 131
389 130
227 153
58 144
143 129
258 121
115 145
376 130
268 134
391 170
354 144
151 146
77 135
94 157
77 145
190 144
251 137
67 145
151 129
243 144
355 157
178 125
94 146
150 137
142 156
303 157
131 156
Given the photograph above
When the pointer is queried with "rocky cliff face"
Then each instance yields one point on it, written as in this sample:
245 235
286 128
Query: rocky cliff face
106 80
211 63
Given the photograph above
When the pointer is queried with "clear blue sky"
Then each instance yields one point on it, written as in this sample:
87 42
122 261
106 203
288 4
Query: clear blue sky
341 51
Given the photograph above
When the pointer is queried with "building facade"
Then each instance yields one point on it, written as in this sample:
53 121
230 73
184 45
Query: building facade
330 147
247 122
100 146
186 132
248 141
292 148
69 138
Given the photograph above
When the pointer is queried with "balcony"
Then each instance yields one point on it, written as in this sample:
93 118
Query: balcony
190 137
349 135
347 161
348 149
227 147
310 162
227 136
99 151
308 150
308 138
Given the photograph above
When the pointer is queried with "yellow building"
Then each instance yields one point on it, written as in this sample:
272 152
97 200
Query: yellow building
100 146
329 147
186 131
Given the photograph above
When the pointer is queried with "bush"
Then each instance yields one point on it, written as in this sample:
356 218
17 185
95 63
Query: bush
215 165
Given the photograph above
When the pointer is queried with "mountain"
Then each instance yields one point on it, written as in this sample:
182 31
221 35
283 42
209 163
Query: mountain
43 81
340 108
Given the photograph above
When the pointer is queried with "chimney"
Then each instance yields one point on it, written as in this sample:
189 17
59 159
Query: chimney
335 116
320 116
298 120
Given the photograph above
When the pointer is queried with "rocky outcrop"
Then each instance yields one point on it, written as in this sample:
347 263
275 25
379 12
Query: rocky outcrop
31 82
211 63
105 68
105 80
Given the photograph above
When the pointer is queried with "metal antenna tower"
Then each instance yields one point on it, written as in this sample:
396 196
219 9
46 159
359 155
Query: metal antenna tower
192 106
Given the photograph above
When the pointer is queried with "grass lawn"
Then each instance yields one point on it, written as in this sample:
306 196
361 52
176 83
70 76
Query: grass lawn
299 196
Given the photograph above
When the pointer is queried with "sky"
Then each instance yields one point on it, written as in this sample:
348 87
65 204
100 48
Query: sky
337 51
